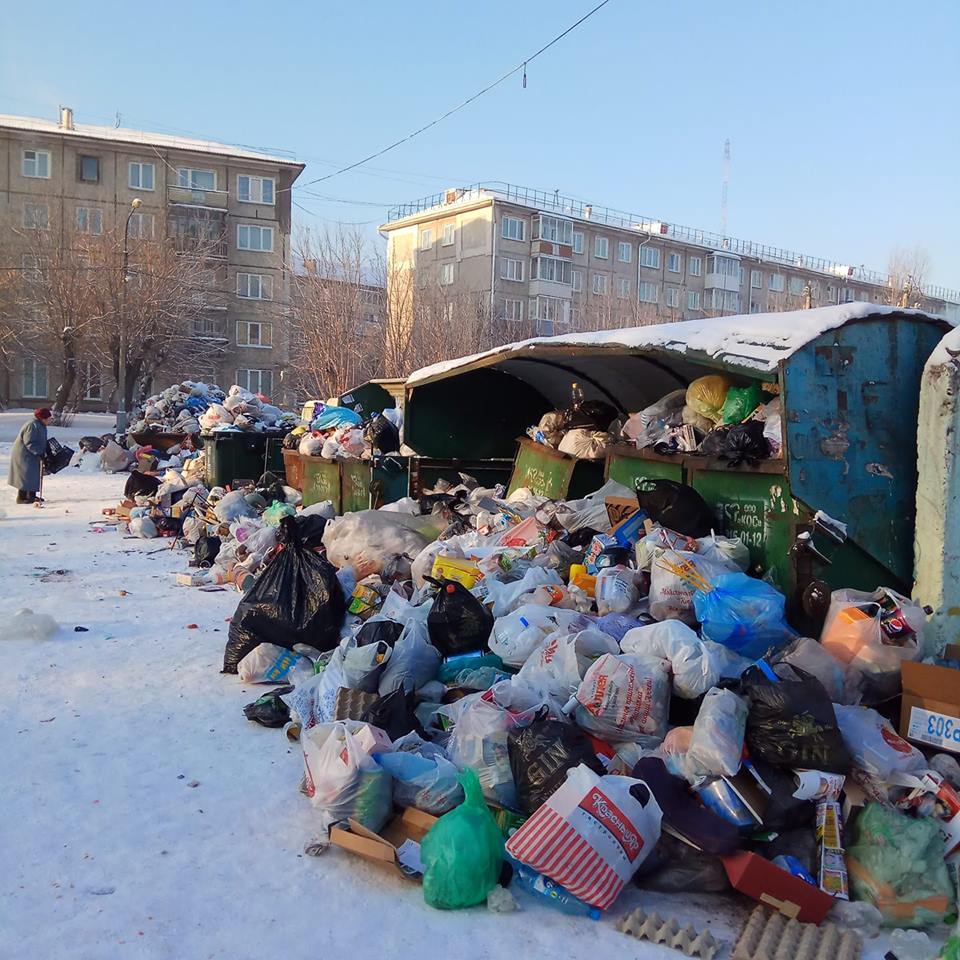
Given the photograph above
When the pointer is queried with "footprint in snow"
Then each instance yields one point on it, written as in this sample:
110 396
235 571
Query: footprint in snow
102 891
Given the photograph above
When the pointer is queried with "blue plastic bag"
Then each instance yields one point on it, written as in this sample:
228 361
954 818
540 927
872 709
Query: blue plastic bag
744 614
333 417
424 777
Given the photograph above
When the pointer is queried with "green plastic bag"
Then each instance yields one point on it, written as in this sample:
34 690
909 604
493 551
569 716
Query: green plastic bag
740 403
896 863
463 852
277 511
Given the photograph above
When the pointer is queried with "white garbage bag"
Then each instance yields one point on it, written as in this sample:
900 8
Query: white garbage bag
694 668
717 742
515 636
559 663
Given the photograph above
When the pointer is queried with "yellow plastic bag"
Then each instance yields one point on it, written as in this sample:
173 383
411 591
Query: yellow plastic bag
706 396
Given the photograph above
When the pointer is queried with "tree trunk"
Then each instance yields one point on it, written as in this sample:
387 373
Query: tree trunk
68 379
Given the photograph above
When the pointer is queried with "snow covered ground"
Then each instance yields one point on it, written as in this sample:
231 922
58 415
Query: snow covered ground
142 816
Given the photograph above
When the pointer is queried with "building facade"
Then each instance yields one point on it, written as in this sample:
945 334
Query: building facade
60 180
545 264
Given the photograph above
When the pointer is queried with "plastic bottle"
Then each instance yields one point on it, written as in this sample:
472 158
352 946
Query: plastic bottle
912 945
576 396
540 886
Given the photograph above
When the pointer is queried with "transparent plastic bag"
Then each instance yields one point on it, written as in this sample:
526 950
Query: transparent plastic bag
717 741
646 426
269 663
515 636
809 655
616 590
423 775
874 745
414 661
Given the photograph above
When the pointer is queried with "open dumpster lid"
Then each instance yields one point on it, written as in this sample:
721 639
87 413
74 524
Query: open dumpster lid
750 344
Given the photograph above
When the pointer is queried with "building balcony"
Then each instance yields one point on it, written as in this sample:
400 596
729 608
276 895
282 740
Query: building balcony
206 199
721 281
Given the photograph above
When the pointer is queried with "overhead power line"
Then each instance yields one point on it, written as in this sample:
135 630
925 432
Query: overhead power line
463 103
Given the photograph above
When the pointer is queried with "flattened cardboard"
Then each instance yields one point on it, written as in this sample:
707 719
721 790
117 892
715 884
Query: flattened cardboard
766 883
930 687
619 508
382 847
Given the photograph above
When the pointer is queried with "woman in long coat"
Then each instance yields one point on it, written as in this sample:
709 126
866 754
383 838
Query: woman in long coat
28 448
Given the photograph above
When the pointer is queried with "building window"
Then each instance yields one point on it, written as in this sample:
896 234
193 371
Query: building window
831 293
548 311
796 286
36 216
91 377
252 333
578 241
256 381
141 226
254 286
449 234
756 279
600 284
601 248
776 282
672 296
514 228
192 179
650 257
623 288
250 237
849 295
754 306
648 291
674 263
693 299
726 301
255 189
140 175
89 220
513 310
695 266
553 229
446 274
624 251
552 269
34 268
576 278
426 238
724 266
88 169
34 379
36 163
511 269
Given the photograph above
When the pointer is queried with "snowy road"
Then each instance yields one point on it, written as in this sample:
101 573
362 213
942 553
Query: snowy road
142 816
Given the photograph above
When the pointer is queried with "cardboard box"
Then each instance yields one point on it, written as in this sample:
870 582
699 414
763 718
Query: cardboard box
195 579
766 883
400 838
930 710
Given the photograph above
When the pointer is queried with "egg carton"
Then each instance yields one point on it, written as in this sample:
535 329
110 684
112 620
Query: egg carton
652 927
771 936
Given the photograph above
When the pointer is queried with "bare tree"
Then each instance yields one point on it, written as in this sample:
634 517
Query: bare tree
907 270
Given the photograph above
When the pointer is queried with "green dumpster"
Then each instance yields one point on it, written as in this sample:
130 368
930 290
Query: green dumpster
232 457
552 474
321 481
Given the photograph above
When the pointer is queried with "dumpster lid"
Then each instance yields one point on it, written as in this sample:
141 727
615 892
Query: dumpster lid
751 344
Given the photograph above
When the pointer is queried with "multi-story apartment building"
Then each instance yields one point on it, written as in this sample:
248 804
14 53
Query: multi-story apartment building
67 179
545 264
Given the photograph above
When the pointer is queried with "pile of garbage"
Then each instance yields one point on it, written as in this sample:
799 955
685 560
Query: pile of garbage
192 407
712 417
341 433
498 694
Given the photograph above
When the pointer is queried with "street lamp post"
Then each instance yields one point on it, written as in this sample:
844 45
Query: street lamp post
122 363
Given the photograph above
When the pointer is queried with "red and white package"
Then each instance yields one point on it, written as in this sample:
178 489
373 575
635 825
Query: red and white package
591 835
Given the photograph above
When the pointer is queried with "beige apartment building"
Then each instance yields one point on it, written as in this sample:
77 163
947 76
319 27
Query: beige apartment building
65 178
550 264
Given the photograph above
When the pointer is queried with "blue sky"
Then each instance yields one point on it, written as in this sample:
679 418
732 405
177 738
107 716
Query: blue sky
842 116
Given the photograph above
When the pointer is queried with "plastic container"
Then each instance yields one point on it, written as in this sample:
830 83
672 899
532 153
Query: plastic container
552 893
582 580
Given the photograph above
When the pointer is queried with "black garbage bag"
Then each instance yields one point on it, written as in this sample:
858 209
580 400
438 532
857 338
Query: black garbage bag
56 456
205 551
590 415
384 436
91 444
296 599
140 485
745 443
678 507
675 867
714 443
394 714
457 622
291 441
782 810
540 756
269 710
310 528
791 722
375 631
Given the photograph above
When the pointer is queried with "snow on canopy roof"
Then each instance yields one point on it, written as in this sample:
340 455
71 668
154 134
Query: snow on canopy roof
754 342
87 131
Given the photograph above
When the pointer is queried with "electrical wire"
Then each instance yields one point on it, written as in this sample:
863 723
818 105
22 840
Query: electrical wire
463 103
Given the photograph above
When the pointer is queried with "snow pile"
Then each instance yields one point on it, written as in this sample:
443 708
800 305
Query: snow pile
27 625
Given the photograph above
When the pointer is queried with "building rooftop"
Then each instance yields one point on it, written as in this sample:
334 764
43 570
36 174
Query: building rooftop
86 131
555 202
